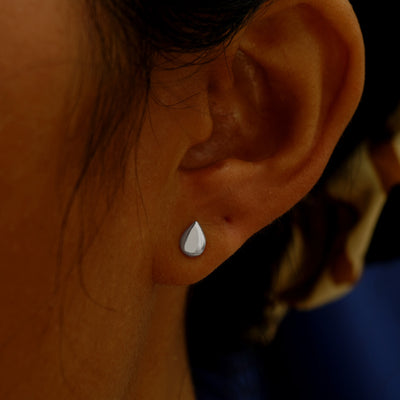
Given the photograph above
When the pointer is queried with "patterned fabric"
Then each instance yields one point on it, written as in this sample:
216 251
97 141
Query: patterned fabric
332 231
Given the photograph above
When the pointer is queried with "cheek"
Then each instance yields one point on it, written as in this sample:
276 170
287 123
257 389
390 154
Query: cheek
36 75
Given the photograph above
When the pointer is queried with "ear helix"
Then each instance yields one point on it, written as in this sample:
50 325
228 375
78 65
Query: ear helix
193 241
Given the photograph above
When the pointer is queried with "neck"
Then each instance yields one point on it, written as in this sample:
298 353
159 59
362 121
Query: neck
136 352
164 371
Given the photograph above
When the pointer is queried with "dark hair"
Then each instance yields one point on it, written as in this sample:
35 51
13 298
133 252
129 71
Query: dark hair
131 33
125 38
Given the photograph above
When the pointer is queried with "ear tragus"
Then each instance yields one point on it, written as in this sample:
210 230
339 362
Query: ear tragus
243 117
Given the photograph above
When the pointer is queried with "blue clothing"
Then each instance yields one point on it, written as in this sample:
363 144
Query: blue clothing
347 350
235 376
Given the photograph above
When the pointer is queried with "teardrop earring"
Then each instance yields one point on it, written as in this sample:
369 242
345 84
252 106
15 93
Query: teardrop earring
193 241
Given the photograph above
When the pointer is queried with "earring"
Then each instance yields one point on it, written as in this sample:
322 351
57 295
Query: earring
193 241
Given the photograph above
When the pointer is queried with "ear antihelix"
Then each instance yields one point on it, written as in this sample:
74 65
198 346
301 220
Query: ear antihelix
193 241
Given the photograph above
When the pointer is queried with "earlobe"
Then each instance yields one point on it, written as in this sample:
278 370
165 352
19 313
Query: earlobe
279 103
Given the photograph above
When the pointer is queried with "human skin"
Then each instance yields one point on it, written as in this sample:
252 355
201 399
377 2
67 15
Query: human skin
49 334
108 322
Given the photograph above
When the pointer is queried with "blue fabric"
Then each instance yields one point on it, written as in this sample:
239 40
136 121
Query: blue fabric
349 349
346 350
236 376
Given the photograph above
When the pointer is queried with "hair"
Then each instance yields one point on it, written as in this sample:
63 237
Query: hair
131 35
127 39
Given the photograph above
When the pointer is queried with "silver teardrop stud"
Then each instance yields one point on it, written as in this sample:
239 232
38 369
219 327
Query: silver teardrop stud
193 241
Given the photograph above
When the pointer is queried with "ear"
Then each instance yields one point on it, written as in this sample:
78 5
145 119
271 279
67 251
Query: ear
279 99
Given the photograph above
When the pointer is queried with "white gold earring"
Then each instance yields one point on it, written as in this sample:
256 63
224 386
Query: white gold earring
193 241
